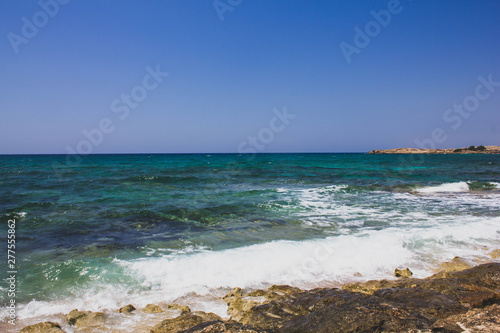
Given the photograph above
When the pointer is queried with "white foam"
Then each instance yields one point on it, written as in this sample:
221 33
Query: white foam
306 264
445 188
371 253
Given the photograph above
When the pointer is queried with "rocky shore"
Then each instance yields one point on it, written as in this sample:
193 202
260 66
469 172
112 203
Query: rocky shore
449 301
468 150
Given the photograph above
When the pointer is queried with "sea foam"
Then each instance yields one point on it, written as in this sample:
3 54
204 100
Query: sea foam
444 188
208 275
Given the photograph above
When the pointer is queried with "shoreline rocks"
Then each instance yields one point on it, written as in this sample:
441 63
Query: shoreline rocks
449 301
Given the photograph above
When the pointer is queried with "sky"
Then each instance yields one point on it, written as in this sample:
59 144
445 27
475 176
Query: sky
227 76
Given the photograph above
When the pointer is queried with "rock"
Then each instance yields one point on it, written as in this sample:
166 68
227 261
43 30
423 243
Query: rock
74 315
127 309
404 305
455 265
236 292
184 321
85 318
402 273
237 303
152 308
495 254
345 311
284 290
427 301
182 308
46 327
226 327
368 287
477 286
482 320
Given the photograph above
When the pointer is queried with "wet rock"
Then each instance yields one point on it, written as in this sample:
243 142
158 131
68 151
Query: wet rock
184 322
428 302
219 327
403 273
495 254
181 308
85 318
127 309
402 305
475 286
284 290
368 287
454 265
483 320
345 311
46 327
238 303
152 308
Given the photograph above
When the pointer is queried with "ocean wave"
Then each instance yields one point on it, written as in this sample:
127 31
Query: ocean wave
347 207
445 188
458 187
200 272
372 253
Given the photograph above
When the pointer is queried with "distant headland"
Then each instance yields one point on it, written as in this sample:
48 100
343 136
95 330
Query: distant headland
469 150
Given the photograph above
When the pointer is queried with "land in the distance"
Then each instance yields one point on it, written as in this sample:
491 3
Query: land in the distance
468 150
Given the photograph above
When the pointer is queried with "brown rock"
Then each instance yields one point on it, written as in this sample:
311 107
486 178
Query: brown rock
220 327
127 309
46 327
74 315
428 301
455 265
152 308
495 254
345 311
477 286
182 308
368 287
483 320
184 321
85 318
402 273
237 303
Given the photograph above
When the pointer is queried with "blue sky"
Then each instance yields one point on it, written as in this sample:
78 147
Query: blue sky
234 65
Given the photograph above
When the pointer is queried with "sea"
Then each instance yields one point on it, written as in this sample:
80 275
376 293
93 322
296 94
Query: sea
99 232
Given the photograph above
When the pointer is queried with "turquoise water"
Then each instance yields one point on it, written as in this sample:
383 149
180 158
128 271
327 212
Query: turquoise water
159 227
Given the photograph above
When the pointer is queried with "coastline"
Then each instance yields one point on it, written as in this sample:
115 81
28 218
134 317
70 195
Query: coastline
460 297
467 150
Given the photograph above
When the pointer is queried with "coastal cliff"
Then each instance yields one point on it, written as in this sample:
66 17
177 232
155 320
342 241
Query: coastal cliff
468 150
